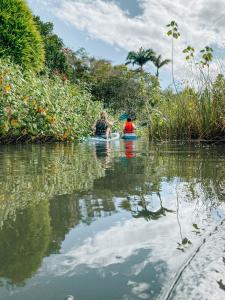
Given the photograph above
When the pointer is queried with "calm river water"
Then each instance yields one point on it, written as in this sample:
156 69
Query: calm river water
122 221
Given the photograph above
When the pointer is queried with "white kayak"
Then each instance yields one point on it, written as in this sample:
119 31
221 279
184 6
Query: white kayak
114 137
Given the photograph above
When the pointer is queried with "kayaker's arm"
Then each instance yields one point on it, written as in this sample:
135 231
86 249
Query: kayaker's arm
110 123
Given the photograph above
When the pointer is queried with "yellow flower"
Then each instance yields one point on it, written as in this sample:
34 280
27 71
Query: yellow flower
34 102
51 119
65 135
25 99
7 88
14 123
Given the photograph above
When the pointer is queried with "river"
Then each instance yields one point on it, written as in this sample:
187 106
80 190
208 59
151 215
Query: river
123 221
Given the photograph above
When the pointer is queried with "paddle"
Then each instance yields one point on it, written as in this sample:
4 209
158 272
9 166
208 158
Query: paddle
125 116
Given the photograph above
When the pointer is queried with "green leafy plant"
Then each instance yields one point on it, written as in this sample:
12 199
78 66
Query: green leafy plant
207 56
174 34
189 52
39 108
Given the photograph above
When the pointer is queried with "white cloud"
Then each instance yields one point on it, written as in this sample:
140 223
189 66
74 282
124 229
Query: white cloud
200 22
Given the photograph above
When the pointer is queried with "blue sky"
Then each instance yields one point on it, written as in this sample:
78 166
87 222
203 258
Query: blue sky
110 28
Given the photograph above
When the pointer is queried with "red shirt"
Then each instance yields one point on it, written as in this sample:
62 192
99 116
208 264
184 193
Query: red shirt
129 127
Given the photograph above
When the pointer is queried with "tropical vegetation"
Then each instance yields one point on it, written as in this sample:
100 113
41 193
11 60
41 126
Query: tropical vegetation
159 63
49 92
20 39
42 108
140 58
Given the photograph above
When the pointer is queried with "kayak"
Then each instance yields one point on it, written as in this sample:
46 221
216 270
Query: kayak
114 136
129 136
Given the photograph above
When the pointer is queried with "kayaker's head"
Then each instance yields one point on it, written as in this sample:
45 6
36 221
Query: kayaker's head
103 115
129 120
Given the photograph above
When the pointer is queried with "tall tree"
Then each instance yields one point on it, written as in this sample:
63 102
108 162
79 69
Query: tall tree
140 58
19 37
55 56
159 63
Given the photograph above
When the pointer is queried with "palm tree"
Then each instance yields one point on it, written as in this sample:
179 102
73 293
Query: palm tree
159 63
140 57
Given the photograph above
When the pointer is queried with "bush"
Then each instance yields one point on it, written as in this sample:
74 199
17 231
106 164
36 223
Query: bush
42 108
20 39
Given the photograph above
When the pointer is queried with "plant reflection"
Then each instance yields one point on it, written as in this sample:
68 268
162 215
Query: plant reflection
47 190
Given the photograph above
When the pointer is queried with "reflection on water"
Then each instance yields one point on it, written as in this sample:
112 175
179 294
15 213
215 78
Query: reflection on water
109 221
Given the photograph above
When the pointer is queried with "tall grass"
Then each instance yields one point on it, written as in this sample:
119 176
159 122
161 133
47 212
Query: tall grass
190 114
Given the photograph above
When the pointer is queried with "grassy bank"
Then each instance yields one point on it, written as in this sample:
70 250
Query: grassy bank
190 115
40 108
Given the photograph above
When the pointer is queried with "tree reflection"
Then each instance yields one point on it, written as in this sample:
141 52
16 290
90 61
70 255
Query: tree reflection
47 191
23 243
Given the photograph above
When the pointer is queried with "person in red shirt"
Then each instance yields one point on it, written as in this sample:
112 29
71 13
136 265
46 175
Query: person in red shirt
129 127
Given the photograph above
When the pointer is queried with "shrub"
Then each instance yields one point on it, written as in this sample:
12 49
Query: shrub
42 108
20 39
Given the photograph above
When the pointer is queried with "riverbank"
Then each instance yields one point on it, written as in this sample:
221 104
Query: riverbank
42 109
190 114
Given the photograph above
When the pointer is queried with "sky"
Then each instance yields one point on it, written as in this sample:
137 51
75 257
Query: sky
111 28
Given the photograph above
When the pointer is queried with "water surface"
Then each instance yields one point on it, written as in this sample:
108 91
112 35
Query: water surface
129 220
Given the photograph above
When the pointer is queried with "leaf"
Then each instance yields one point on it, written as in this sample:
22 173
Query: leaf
169 32
181 249
186 241
195 226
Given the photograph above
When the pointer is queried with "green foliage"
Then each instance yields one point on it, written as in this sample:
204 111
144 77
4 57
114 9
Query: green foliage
79 64
159 63
119 88
174 33
59 59
39 108
190 115
207 56
189 52
20 39
55 56
173 30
